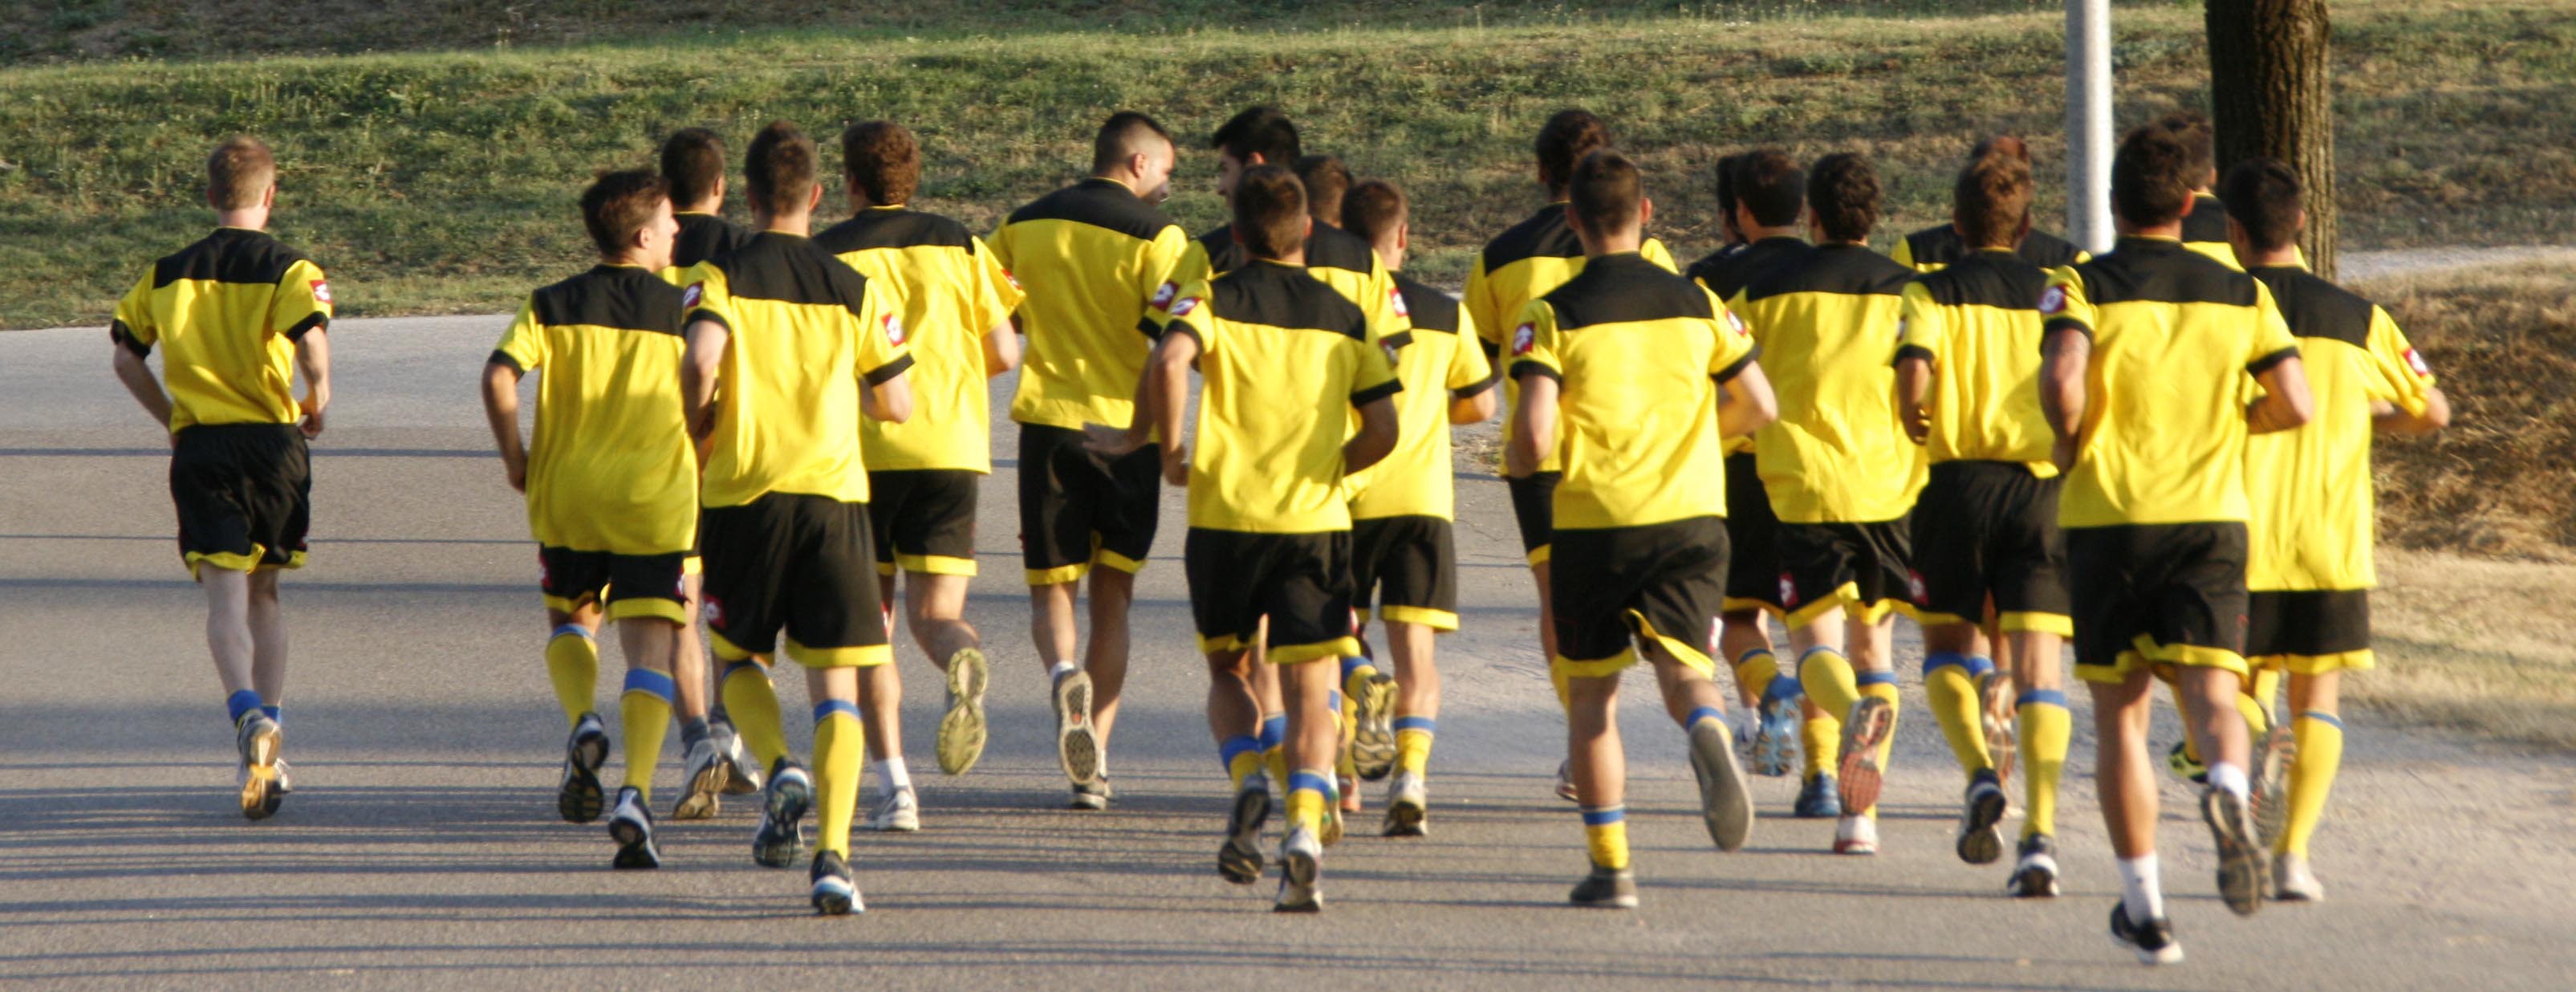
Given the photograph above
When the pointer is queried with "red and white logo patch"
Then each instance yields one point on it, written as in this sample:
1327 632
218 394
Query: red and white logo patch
2416 362
1163 294
2053 302
689 297
1914 587
1788 591
1184 306
1524 339
1716 626
1395 299
714 612
1009 278
1736 324
893 329
321 291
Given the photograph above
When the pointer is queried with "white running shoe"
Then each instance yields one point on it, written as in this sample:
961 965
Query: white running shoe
1856 835
1408 806
703 783
1301 868
899 812
2293 882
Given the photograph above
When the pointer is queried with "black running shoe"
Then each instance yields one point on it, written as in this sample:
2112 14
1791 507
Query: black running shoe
1239 860
579 798
835 893
782 830
1981 841
1606 888
2153 940
631 826
2035 871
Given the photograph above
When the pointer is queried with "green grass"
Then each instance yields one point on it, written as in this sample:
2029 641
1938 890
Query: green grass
442 181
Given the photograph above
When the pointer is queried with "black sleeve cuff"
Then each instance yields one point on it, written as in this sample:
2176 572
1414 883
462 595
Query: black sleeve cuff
1493 352
1152 331
709 316
502 358
1377 392
1479 388
311 322
1728 374
1905 351
2055 324
116 332
2268 362
889 370
1524 369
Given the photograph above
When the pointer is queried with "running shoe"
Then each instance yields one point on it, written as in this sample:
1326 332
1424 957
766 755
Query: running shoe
742 775
258 739
1981 839
782 828
1301 867
962 730
1239 860
704 782
285 778
1565 782
2153 939
1775 737
899 812
1408 805
2035 873
1856 835
2273 754
2180 760
631 826
1373 728
1092 797
1819 799
1868 725
579 798
1606 888
2293 882
2240 855
1077 746
1725 799
835 893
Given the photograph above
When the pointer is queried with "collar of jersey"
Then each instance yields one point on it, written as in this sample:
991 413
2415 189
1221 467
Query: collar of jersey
887 206
2149 241
617 268
228 229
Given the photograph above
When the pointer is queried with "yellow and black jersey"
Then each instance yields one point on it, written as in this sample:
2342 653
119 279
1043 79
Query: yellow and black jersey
1932 248
1283 360
2176 340
2313 521
2204 230
950 290
1091 255
1977 322
1437 359
1523 264
1837 453
1641 353
610 469
226 313
1336 256
808 332
1726 270
702 237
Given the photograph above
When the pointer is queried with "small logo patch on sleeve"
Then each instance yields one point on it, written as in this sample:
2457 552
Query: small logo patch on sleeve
1012 279
691 296
1163 295
2416 362
1184 306
321 292
894 329
1524 339
2053 302
1736 324
1395 299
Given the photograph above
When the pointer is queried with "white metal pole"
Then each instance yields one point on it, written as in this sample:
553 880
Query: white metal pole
2088 124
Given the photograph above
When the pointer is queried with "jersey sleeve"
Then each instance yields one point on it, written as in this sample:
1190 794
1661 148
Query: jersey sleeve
1373 378
1388 315
1477 306
1174 262
1470 372
1903 254
2399 374
523 346
884 345
1188 314
2272 342
2062 306
302 302
996 292
133 326
1918 325
1735 349
1654 251
1533 349
703 296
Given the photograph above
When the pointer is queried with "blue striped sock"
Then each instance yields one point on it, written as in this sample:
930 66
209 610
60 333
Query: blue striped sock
240 703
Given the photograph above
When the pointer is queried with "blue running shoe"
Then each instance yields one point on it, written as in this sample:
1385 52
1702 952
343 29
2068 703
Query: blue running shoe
1820 799
1775 739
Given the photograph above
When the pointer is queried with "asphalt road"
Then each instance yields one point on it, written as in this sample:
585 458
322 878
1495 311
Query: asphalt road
422 847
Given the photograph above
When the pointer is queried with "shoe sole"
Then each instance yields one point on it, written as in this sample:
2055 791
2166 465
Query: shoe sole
2272 784
1775 748
834 898
2241 874
1980 842
634 845
1565 786
894 826
782 830
1239 860
580 800
705 793
1076 746
962 730
260 794
1373 734
1859 773
1298 871
1405 818
2034 881
1725 800
2171 954
740 778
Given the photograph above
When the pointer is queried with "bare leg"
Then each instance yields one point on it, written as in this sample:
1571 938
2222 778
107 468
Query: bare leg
1105 658
1232 709
1593 752
936 607
690 695
2125 779
228 632
1051 626
1417 678
1742 632
1686 690
880 692
267 638
2211 716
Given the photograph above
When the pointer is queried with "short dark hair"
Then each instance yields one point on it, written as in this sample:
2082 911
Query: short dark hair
779 171
1270 211
693 161
1726 192
1263 131
2151 177
1563 141
1125 133
1605 191
2199 145
2001 144
1842 191
240 172
1373 210
618 204
1327 180
1991 198
2263 195
882 160
1771 186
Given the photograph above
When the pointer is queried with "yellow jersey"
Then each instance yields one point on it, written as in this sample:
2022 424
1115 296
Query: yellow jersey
226 313
1837 453
950 291
1933 248
1977 322
610 468
1522 264
1091 255
1437 359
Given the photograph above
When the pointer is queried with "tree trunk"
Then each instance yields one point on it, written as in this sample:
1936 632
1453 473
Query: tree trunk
2270 97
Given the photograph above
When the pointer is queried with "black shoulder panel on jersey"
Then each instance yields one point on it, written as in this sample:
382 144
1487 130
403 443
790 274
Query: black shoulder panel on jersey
1329 247
1848 270
704 236
228 255
2316 308
624 298
2160 271
2207 220
1626 289
1988 279
2048 251
1936 245
893 229
1546 234
791 269
1432 309
1099 203
1224 254
1727 274
1284 296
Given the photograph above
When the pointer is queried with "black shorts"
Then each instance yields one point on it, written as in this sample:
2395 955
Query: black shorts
1408 567
1752 538
1863 568
244 494
627 585
1078 509
1617 585
797 563
923 520
2309 632
1990 529
1302 582
2157 594
1534 510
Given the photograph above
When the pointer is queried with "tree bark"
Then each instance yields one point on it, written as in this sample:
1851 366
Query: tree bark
2271 97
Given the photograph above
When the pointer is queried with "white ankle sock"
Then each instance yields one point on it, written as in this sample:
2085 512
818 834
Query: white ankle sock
1060 669
892 775
2140 891
2228 778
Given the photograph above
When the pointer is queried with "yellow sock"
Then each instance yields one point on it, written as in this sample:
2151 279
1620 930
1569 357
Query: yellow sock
1605 831
1953 694
1828 679
1820 736
1241 755
1884 690
839 752
2256 719
2312 776
645 709
1274 748
2045 730
1755 670
2190 747
752 703
1413 743
1356 672
2267 687
572 664
1308 792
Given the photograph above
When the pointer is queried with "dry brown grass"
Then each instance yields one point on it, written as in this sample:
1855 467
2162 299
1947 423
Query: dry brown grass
2483 646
